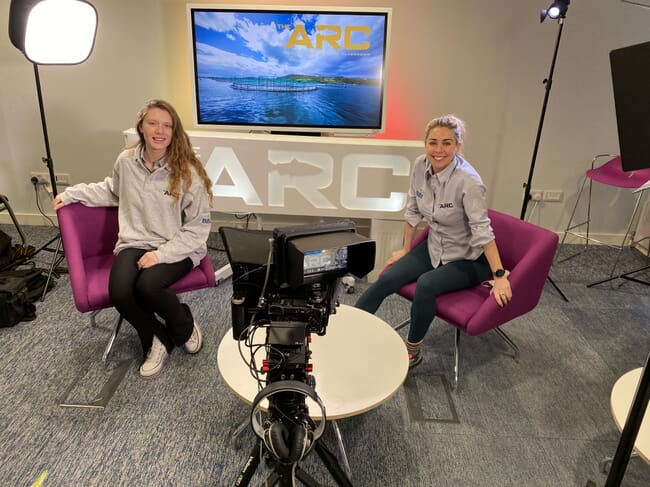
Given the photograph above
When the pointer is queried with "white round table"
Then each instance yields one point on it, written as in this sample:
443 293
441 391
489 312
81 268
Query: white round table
621 400
359 364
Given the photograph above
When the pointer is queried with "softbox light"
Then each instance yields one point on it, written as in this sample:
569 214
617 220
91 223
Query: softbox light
53 31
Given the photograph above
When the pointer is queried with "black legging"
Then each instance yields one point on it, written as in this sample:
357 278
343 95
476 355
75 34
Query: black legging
140 295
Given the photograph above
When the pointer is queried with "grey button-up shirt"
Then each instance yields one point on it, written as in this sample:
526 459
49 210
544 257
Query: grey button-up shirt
453 203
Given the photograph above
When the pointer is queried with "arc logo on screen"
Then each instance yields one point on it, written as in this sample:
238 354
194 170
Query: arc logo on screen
330 35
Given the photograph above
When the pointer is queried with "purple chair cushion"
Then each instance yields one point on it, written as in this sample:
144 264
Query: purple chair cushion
526 250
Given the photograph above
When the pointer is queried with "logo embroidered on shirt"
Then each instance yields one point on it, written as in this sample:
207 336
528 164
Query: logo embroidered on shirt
167 193
419 193
205 220
443 206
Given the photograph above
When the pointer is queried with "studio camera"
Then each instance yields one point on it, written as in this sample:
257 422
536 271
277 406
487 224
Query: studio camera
291 274
287 282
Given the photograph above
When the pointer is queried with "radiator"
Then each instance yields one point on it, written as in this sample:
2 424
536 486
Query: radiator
388 235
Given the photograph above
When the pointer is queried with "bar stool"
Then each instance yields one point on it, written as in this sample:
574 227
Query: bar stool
609 173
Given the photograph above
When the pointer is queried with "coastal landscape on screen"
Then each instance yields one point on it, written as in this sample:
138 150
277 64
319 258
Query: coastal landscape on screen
289 69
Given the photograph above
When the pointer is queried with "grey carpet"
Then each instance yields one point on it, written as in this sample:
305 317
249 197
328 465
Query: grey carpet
541 421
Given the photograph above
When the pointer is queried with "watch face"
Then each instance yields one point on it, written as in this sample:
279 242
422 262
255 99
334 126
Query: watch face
500 273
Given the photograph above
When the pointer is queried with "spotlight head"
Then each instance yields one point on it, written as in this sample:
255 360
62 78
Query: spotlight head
557 10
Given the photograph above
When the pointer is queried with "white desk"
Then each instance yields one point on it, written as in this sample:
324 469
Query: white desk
621 400
358 364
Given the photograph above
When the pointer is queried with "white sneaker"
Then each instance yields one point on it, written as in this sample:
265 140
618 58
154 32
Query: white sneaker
193 344
155 360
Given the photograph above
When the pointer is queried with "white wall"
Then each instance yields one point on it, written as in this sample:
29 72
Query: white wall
483 60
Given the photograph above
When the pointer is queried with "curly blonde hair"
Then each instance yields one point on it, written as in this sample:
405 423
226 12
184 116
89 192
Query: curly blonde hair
180 155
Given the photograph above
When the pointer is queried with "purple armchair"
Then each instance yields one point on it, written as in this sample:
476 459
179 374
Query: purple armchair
527 251
89 235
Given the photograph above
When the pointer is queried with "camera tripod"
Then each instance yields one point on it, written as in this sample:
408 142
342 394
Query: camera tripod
283 473
286 435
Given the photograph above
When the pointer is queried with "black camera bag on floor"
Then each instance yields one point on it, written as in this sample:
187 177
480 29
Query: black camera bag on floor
18 291
5 249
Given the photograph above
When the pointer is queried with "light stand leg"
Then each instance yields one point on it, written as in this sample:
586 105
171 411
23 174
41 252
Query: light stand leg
53 264
627 276
550 279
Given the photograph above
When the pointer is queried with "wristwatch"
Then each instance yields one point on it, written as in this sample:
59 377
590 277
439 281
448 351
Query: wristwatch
499 273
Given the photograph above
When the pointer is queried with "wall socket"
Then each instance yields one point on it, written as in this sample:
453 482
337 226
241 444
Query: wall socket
555 196
549 195
536 194
44 178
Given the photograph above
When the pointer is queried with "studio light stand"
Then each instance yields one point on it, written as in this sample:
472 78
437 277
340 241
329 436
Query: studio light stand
52 32
59 253
557 10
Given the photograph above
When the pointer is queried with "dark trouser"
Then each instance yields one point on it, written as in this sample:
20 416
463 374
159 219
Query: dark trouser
416 266
140 295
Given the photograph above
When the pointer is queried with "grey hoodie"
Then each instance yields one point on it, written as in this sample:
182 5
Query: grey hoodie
148 216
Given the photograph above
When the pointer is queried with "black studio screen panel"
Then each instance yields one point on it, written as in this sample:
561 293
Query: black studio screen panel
631 82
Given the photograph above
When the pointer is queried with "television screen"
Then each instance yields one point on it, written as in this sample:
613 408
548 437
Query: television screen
631 83
293 69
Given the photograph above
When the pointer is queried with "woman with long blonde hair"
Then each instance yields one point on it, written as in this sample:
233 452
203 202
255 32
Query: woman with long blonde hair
163 196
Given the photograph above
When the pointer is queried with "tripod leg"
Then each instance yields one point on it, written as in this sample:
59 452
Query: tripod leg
252 463
332 465
284 475
52 265
305 478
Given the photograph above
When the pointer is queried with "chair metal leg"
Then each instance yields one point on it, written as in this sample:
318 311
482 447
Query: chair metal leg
499 331
454 384
93 320
509 341
401 325
116 330
628 233
569 227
